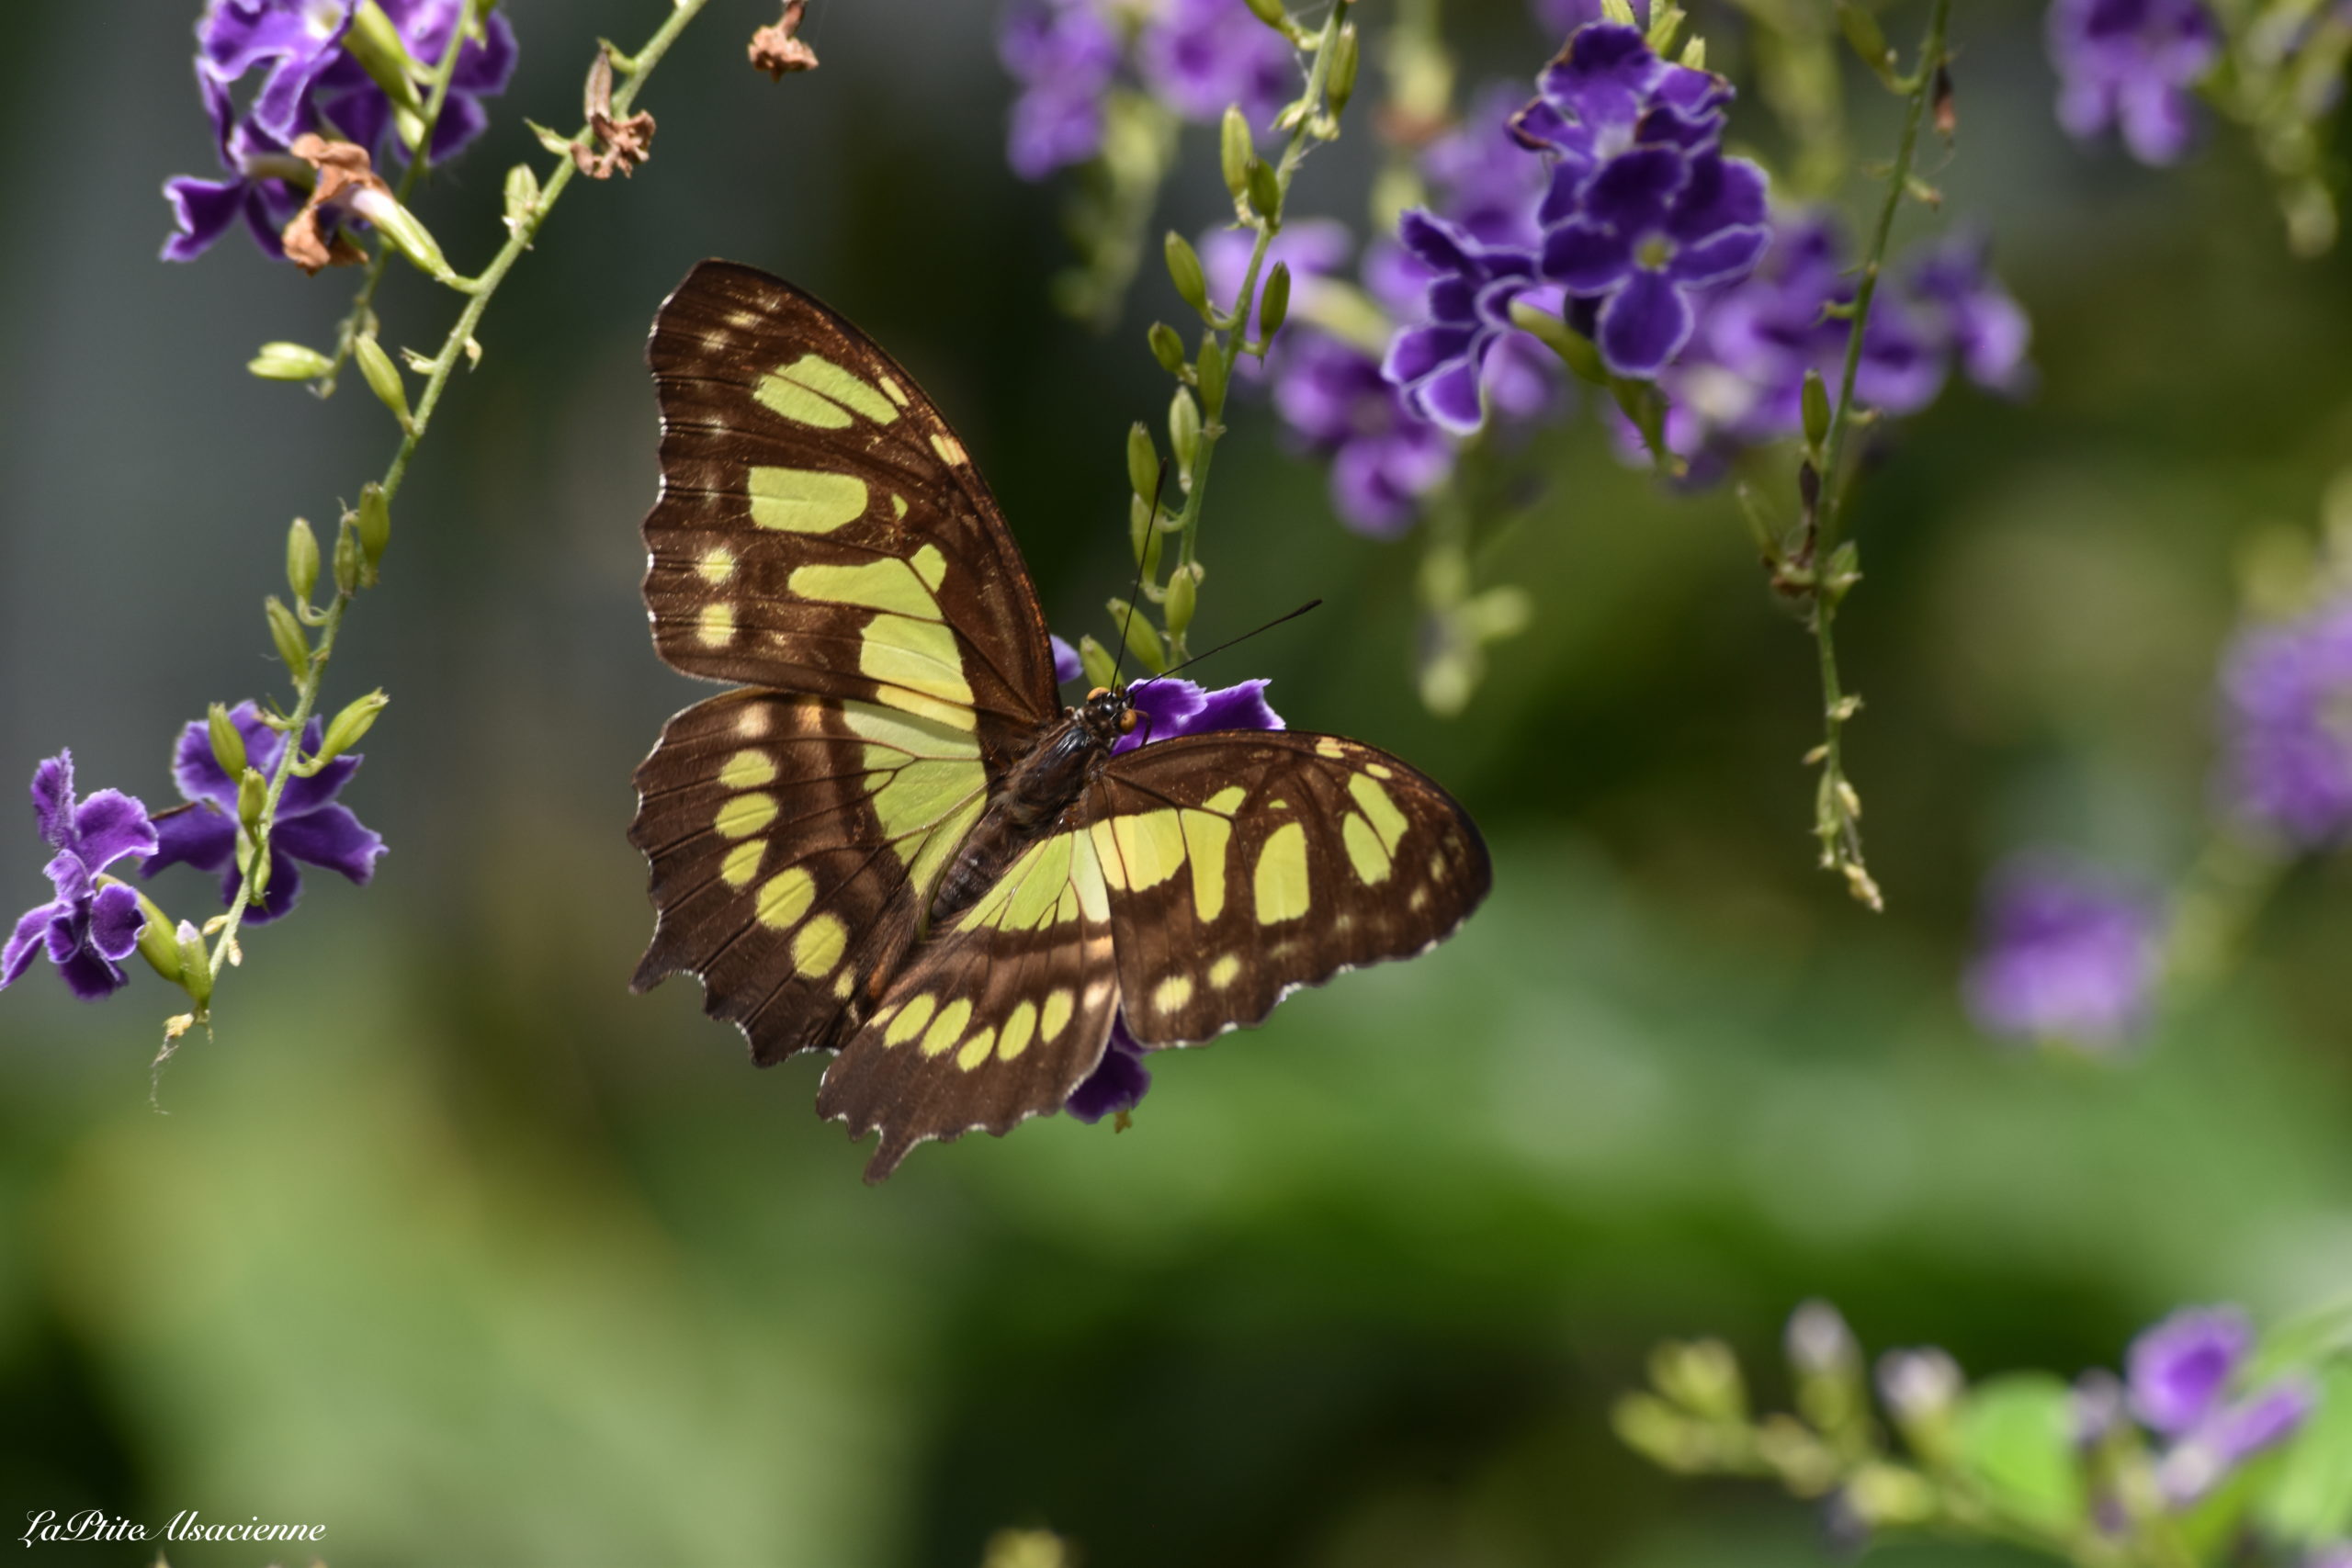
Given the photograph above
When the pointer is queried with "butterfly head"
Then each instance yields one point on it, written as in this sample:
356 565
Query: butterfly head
1108 713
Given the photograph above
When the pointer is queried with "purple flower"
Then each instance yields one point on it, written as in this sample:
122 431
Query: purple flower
2285 692
293 41
261 189
1064 53
2206 1456
311 826
1067 666
2065 954
1483 179
2180 1369
1439 364
1384 457
2130 64
1172 707
86 929
1983 325
1608 94
350 99
1197 56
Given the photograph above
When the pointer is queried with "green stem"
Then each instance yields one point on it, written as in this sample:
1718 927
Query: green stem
453 349
1302 139
1837 820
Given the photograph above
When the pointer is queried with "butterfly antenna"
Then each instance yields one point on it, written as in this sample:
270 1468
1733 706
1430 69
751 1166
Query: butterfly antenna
1245 637
1151 530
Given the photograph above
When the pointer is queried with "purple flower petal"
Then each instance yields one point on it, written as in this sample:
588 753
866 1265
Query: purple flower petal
1644 324
1452 398
1724 258
1242 706
1165 706
1585 258
24 945
89 974
1631 191
1117 1083
333 838
116 920
1418 352
200 835
202 211
1724 193
53 799
2179 1369
1436 243
1067 667
110 825
198 773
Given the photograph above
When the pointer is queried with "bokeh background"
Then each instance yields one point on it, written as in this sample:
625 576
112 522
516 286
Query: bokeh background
450 1244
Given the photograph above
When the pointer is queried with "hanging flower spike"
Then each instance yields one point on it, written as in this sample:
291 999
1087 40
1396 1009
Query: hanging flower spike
1170 708
1064 53
2066 955
86 929
1438 365
261 187
2130 64
311 826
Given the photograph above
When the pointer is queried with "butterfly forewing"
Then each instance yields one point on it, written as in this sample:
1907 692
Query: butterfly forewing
997 1020
822 529
1242 865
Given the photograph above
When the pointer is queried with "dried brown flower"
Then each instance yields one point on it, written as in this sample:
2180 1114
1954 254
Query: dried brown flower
628 143
775 51
347 179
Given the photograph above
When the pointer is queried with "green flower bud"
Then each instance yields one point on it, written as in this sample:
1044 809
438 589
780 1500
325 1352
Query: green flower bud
159 944
1271 12
1184 428
343 731
1211 373
1694 54
1865 37
522 196
1620 12
1183 596
287 633
1235 151
1167 348
383 379
1273 306
1702 1376
376 43
194 974
1143 637
347 564
1139 529
289 362
302 560
1143 463
253 797
1816 409
1340 85
1265 193
1185 270
228 746
1099 667
375 529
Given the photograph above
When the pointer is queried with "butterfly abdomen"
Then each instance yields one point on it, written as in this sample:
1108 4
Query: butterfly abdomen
1036 792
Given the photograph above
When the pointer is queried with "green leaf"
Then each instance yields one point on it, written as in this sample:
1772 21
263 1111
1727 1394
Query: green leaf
2311 1499
2017 1441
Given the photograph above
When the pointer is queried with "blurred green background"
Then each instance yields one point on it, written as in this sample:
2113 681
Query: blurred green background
450 1244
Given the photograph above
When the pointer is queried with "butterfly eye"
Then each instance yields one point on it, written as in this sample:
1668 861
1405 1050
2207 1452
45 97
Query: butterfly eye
1128 722
1097 692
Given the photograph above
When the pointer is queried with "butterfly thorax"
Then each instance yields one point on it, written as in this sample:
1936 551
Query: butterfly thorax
1036 791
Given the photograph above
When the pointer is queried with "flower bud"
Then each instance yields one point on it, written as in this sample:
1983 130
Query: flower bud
195 965
1864 37
1340 85
1265 193
1922 1390
375 529
1694 55
302 560
1660 1433
1235 151
1819 1343
1271 12
1140 530
1621 12
1143 463
1185 271
1211 373
228 745
1184 429
253 797
289 362
1183 596
159 944
522 197
406 231
376 43
1816 409
383 379
1167 348
1101 668
343 731
347 564
1702 1376
1273 306
1143 637
287 633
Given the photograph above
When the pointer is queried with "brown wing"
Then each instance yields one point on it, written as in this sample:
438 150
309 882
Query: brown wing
998 1019
822 529
793 840
1242 865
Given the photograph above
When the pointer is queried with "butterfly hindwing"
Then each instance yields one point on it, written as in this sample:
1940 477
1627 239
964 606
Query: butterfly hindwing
793 840
1001 1014
1244 864
821 529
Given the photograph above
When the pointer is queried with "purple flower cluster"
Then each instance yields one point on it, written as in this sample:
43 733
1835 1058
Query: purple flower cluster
2286 726
2064 955
1168 707
86 929
2184 1381
1195 56
310 826
2129 64
311 80
1740 380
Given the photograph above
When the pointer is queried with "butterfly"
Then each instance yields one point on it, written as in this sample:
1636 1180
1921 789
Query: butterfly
892 841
